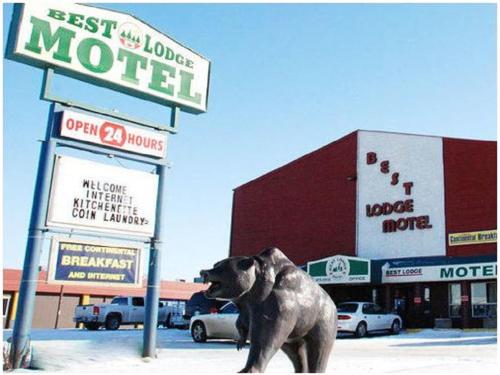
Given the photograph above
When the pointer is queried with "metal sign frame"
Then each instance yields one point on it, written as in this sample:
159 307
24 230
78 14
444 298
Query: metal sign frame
37 229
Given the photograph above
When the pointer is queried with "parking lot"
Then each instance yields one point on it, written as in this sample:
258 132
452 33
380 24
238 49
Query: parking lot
423 352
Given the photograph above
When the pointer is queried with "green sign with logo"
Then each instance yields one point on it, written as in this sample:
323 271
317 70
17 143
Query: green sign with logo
340 269
110 49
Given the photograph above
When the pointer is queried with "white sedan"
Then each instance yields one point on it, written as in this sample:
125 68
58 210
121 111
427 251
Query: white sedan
363 317
221 325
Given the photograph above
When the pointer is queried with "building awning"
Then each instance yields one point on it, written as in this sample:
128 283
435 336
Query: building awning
340 269
441 268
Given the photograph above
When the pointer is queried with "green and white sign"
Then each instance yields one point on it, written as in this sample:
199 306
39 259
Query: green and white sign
110 49
445 272
340 269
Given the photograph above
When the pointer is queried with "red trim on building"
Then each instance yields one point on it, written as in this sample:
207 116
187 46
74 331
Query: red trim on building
168 290
470 175
307 208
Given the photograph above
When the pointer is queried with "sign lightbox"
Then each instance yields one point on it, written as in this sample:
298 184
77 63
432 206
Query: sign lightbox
340 269
96 130
110 49
99 197
76 262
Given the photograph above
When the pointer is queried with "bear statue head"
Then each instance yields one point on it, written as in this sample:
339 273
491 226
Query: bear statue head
230 278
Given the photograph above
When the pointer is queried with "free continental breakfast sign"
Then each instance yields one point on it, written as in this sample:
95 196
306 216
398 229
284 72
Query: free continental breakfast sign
109 49
340 269
99 197
91 263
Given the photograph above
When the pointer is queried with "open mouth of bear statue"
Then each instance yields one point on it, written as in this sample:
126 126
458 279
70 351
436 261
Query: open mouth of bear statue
214 285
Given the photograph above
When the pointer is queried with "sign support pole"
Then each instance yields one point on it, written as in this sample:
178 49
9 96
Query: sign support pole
153 287
27 290
154 277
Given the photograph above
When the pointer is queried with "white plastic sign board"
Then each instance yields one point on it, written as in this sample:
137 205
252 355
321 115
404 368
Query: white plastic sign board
96 130
98 197
110 49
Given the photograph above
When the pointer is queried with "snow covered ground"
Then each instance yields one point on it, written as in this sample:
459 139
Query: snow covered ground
425 352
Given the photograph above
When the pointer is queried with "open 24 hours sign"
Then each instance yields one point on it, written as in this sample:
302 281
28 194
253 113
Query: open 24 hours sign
110 49
76 262
99 197
120 136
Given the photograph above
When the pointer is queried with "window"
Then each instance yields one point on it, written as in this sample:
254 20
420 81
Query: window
119 301
455 300
6 304
484 300
347 308
137 301
427 294
368 308
230 309
374 295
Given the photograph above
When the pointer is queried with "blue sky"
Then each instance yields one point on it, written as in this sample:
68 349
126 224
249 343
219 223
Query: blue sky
286 80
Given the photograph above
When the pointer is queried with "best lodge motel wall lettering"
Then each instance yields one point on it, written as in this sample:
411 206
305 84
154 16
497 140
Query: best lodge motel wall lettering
76 262
100 197
399 207
113 49
400 196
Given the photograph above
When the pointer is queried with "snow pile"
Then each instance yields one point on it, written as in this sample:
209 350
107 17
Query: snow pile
425 352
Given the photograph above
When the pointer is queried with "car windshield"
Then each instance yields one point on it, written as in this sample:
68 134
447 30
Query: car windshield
347 308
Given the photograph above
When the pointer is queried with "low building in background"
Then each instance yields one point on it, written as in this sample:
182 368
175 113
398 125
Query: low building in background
55 303
406 221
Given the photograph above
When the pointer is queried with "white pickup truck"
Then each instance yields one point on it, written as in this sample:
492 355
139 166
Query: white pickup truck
122 310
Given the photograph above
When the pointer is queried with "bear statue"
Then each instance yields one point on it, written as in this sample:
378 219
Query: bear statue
281 307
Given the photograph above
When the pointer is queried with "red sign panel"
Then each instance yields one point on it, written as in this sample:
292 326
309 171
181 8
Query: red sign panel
96 130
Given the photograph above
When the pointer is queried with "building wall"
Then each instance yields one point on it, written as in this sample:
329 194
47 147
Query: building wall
470 191
45 312
306 208
68 304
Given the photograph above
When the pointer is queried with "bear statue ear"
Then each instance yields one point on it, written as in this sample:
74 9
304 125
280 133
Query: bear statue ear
245 264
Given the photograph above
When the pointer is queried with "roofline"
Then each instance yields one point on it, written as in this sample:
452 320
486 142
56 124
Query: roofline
423 135
309 154
348 135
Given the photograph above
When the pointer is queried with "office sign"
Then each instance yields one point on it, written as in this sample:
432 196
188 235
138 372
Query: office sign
110 49
76 262
340 269
83 127
98 197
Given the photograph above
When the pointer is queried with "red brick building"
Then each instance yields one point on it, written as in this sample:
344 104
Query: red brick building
412 217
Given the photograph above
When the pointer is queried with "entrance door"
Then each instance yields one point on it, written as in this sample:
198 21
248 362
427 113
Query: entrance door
403 296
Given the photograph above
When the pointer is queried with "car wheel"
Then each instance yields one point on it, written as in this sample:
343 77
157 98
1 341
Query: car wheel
395 327
91 326
168 323
112 322
199 332
361 330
